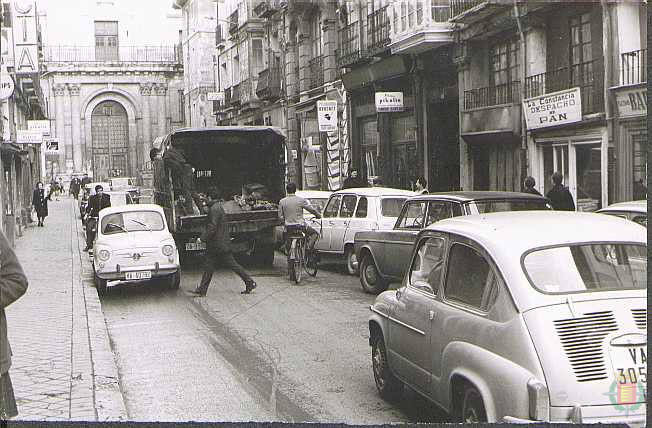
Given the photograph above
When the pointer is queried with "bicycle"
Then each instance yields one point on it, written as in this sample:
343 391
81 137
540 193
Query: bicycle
298 260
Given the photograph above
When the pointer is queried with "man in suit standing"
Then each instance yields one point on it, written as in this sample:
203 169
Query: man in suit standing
218 248
96 202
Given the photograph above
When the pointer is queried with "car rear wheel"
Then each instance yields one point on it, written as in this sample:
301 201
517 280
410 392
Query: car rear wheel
100 285
371 280
388 385
351 261
473 410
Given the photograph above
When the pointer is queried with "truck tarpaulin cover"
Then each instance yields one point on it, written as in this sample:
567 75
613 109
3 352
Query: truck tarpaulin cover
227 135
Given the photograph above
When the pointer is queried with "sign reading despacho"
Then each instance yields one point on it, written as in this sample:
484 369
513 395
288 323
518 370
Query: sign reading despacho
557 108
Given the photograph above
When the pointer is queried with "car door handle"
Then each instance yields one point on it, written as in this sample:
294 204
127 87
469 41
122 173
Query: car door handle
431 315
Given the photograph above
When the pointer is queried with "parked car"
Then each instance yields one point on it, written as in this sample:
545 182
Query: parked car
317 199
134 244
633 210
520 317
355 210
384 255
125 183
121 197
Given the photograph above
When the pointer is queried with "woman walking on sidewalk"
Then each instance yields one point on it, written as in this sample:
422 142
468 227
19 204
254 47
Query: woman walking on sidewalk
40 202
13 284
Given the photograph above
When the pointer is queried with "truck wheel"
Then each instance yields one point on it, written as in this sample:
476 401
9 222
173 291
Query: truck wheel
370 278
100 285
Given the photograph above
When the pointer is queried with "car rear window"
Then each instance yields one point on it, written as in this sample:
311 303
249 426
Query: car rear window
587 267
132 221
391 207
495 206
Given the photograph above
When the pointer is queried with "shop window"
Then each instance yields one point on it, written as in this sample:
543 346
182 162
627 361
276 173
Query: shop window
370 138
404 151
639 146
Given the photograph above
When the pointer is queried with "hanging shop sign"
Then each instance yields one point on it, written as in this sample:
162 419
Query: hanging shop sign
7 85
632 102
327 115
51 146
39 125
389 102
24 136
215 96
557 108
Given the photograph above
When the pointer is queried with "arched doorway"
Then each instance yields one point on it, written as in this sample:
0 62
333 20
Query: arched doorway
110 133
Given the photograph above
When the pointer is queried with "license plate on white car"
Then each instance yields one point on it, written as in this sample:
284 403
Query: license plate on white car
630 365
193 246
142 274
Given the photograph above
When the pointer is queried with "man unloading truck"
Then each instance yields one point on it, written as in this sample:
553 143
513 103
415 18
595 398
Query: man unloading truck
182 175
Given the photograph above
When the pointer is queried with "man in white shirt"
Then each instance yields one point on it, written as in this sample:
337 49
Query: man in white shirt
290 210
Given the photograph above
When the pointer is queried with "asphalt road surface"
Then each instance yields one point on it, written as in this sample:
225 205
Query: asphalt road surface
294 353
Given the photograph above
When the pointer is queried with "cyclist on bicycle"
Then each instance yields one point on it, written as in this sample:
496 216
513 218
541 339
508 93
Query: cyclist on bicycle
290 210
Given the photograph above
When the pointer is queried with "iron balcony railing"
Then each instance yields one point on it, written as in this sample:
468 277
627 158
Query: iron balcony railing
350 49
507 93
131 54
266 8
378 37
440 12
460 6
633 67
233 22
235 95
227 97
316 71
269 84
588 76
247 94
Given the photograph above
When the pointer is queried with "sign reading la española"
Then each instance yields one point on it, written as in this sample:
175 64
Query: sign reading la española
557 108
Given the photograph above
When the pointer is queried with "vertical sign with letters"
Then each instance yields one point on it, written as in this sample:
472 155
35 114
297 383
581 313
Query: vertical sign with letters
25 37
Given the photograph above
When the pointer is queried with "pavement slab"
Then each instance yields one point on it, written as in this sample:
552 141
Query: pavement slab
63 367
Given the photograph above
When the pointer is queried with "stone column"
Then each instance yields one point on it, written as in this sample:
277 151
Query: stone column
145 92
59 91
76 127
304 58
67 125
161 92
329 25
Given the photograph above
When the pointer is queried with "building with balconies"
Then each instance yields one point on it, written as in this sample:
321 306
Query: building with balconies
392 46
111 88
534 81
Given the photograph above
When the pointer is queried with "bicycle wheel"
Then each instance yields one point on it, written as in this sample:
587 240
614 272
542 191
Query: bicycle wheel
291 259
298 262
311 262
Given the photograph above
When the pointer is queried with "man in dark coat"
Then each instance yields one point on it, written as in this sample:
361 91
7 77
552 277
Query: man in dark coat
96 202
353 181
182 174
218 248
529 184
13 284
75 185
560 197
40 203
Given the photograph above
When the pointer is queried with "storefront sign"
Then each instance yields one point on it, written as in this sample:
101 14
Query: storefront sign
327 115
39 125
28 137
557 108
389 102
25 37
215 96
6 84
51 146
632 102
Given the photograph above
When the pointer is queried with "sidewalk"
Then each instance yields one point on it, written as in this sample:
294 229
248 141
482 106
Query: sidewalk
63 367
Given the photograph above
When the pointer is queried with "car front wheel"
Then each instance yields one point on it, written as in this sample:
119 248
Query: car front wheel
174 280
100 285
389 386
351 260
370 278
473 410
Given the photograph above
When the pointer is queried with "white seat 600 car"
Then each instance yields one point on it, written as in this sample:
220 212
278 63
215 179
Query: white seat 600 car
530 316
134 244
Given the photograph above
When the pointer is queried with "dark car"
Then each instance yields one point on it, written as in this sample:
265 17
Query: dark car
384 255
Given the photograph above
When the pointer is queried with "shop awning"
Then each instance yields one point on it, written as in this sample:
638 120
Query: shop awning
11 148
490 137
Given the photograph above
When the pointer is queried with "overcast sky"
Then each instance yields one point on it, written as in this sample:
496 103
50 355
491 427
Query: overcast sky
140 22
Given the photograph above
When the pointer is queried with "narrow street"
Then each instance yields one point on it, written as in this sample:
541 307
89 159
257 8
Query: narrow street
285 353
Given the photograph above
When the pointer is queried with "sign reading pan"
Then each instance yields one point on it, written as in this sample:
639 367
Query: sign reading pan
389 102
557 108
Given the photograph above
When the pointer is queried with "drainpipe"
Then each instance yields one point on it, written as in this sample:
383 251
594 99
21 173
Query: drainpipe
524 132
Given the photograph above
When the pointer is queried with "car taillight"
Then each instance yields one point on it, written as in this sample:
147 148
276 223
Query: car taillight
167 250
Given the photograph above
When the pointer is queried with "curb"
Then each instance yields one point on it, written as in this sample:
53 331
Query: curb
108 399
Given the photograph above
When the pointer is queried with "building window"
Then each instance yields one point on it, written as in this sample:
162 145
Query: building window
182 107
257 56
504 62
316 36
106 41
403 16
580 27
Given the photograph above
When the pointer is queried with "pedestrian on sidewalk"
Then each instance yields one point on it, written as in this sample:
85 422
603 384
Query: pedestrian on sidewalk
560 197
40 203
13 284
96 202
218 247
529 184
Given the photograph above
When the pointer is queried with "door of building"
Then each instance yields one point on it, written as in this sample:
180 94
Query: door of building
110 145
443 147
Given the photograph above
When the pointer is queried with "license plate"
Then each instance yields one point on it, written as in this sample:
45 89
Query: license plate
630 365
193 246
144 274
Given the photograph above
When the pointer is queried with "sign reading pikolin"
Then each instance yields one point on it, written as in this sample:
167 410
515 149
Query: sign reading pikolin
557 108
389 102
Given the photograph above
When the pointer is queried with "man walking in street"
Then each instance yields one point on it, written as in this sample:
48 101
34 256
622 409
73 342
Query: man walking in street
75 185
218 248
13 284
560 197
96 202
